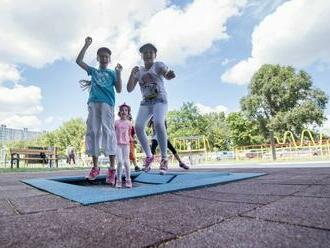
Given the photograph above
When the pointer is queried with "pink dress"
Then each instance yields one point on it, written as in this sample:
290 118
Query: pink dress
123 128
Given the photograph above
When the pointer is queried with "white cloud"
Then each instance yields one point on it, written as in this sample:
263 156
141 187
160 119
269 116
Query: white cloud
39 32
19 106
20 121
181 33
259 9
241 72
20 100
49 120
9 73
203 109
297 34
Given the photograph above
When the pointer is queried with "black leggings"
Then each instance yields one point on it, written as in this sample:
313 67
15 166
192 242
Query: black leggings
154 144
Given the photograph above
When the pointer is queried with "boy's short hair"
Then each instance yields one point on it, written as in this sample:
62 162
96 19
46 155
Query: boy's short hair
103 49
148 45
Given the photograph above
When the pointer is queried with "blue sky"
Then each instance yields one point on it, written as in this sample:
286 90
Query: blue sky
39 78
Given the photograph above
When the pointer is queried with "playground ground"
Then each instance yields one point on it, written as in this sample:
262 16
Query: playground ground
288 207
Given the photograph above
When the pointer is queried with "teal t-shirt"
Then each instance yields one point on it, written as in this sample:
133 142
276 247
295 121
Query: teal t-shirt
102 86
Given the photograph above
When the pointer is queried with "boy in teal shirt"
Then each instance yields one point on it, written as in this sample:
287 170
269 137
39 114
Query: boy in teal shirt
101 101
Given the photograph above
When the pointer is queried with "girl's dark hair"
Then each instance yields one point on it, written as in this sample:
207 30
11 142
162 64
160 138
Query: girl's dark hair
127 106
103 49
148 45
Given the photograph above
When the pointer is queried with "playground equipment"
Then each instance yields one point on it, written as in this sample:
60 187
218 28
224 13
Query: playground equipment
289 135
192 144
308 146
196 147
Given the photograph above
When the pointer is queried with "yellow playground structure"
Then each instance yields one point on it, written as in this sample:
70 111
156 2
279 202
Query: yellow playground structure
307 147
193 144
193 147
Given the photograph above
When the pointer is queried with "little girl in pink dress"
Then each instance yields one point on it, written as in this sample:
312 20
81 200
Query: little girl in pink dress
122 128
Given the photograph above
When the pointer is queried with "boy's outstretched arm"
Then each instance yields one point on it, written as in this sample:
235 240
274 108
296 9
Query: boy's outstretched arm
168 74
79 60
132 79
118 84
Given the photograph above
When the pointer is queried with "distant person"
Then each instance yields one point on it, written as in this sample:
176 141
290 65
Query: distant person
154 144
43 157
101 101
70 155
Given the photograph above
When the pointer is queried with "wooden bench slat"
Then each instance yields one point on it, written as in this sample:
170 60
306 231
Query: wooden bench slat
37 158
30 151
38 153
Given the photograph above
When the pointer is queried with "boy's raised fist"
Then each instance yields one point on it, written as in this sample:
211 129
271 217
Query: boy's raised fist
88 41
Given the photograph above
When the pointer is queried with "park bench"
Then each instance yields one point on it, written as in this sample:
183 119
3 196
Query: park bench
39 155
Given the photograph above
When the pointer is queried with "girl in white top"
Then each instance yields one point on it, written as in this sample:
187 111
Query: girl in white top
154 102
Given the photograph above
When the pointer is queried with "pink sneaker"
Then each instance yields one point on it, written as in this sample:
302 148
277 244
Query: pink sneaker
128 183
111 177
95 171
163 167
119 184
184 166
147 163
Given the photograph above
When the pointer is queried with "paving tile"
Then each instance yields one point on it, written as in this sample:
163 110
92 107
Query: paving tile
245 232
294 179
258 188
79 227
208 194
325 181
175 214
316 190
308 211
36 204
13 194
5 208
14 187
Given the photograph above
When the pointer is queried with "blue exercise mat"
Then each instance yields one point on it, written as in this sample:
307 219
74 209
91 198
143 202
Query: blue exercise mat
154 178
144 184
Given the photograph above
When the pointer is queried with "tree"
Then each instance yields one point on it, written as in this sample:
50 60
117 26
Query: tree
281 99
242 130
217 131
186 122
70 133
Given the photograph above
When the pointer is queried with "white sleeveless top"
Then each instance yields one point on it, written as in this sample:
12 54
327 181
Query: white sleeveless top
152 83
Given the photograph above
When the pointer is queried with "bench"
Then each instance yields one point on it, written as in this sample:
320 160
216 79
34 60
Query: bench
41 155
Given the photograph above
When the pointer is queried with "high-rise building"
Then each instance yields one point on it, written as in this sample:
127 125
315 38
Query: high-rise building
8 134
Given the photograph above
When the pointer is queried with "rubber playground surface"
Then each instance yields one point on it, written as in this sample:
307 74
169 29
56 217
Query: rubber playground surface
287 207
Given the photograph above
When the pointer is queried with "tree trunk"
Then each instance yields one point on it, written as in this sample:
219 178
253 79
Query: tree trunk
272 143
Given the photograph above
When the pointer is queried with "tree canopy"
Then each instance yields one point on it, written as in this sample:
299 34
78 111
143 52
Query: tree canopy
280 99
